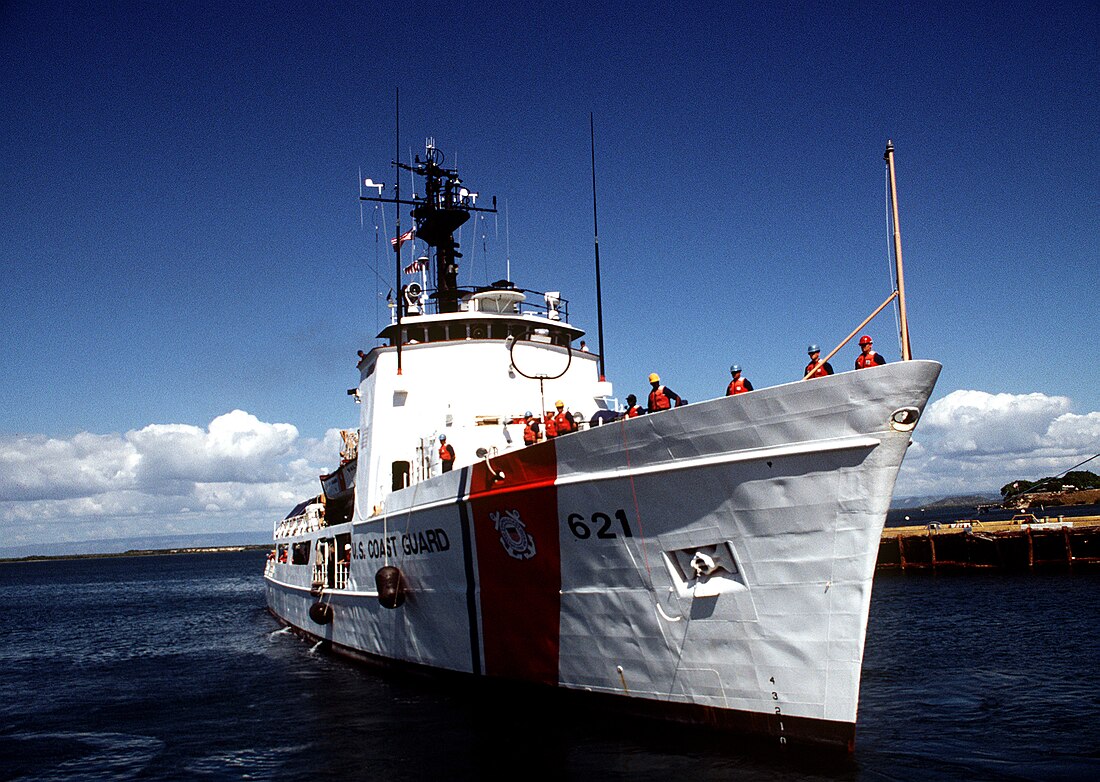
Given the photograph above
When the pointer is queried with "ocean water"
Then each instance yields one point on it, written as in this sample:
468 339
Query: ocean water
169 667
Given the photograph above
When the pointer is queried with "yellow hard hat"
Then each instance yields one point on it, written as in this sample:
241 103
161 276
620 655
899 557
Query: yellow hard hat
654 377
559 403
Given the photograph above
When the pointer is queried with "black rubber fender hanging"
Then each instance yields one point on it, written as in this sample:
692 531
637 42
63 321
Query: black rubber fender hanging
321 613
391 586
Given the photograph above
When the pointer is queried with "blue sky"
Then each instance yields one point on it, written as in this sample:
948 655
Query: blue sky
182 234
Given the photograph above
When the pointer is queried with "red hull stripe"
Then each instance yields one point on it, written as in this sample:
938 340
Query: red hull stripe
519 564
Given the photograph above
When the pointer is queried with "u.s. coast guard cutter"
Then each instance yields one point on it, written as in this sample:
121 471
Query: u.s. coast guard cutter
707 564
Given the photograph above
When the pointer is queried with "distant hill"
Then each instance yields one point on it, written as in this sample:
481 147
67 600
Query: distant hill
940 501
143 543
1061 498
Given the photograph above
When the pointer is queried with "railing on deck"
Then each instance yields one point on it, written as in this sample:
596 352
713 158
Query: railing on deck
340 577
544 303
320 574
299 525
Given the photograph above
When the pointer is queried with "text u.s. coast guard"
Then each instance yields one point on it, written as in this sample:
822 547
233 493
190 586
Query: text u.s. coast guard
424 542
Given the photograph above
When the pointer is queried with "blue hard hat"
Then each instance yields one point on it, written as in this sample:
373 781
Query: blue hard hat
735 368
813 349
442 438
527 414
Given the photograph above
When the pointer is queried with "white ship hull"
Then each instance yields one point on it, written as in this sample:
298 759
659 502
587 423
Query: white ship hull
575 570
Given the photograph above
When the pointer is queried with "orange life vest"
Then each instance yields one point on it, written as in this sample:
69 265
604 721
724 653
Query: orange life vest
633 412
865 360
551 429
529 434
736 387
658 400
819 372
564 423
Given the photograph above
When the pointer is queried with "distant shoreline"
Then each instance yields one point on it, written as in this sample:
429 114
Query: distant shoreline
140 553
1079 499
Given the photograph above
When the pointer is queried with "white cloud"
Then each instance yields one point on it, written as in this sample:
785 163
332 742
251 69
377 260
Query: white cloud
236 447
243 473
36 467
163 477
973 441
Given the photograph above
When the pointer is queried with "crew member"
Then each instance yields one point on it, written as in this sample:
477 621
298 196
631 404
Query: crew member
661 397
530 429
632 408
867 357
564 421
551 427
816 367
738 385
446 454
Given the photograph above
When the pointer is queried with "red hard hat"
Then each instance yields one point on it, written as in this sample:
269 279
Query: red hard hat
864 340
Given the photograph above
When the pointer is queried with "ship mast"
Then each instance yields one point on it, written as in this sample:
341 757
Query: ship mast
444 207
906 351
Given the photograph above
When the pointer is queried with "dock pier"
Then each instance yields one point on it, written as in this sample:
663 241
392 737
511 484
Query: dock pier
1025 543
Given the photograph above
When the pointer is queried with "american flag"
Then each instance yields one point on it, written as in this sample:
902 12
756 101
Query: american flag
416 266
400 240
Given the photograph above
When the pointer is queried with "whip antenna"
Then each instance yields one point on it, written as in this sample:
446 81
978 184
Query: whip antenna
596 235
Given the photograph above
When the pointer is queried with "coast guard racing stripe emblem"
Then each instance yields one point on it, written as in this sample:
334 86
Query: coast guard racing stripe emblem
513 535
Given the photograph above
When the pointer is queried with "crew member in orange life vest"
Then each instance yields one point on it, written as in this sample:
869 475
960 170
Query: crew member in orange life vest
661 397
817 366
530 429
632 409
868 357
738 385
551 427
563 421
446 454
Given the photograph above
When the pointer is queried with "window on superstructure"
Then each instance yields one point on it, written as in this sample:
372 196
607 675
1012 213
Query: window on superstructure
299 553
437 333
500 330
